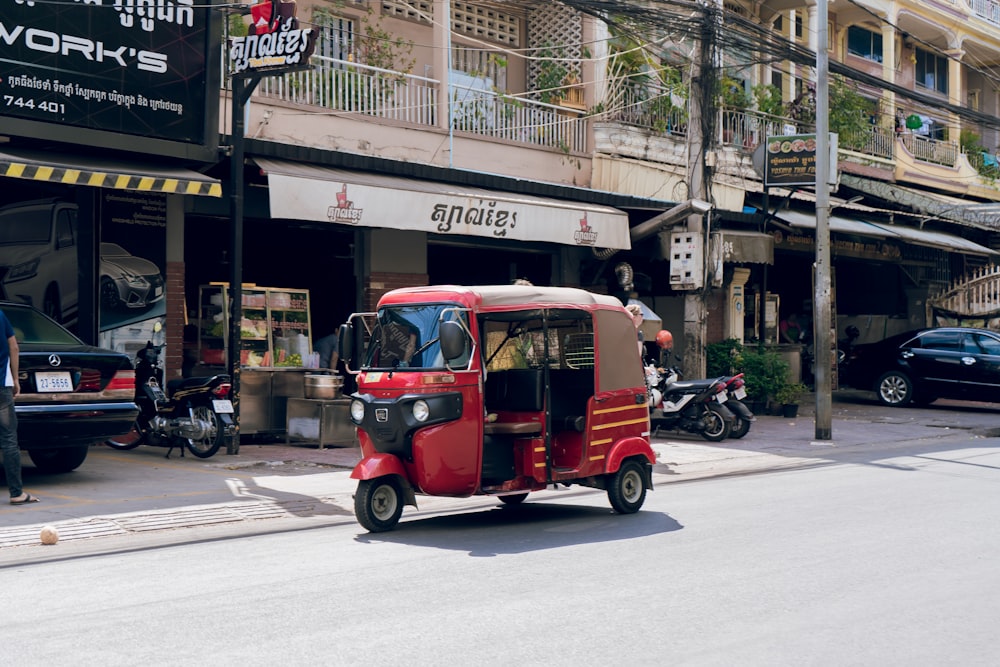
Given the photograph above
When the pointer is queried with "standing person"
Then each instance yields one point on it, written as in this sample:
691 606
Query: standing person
8 418
636 312
329 351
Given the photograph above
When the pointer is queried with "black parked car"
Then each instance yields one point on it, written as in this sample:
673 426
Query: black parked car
71 394
927 364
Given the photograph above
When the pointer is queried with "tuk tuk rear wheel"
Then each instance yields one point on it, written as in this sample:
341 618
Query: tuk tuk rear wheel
378 504
513 499
627 490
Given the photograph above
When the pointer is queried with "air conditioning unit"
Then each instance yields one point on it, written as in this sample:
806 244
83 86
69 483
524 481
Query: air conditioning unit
687 265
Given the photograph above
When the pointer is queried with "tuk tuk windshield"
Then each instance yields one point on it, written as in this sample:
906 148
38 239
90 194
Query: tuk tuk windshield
408 337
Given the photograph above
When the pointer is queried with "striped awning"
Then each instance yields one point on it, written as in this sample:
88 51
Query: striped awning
115 174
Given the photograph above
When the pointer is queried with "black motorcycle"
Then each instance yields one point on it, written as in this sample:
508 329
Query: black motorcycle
693 406
195 413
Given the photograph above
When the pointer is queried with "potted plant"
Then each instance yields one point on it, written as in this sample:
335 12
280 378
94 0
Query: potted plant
788 397
765 372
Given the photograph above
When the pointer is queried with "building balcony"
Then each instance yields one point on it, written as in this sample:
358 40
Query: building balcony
343 88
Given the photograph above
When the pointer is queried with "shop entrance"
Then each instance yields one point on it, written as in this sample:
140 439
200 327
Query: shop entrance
467 265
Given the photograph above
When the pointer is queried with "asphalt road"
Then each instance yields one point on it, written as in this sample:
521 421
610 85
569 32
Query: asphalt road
877 560
140 492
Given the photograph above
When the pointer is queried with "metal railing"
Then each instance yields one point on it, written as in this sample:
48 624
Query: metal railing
341 85
491 114
349 87
986 9
931 150
749 129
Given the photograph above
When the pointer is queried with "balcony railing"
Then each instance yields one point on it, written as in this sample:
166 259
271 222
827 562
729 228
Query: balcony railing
749 129
341 85
491 114
931 150
986 9
344 86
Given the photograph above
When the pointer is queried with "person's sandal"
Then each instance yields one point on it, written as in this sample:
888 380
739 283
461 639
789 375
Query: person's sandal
28 498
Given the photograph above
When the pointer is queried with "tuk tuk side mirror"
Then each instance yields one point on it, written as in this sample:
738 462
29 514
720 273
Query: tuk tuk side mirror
346 344
453 340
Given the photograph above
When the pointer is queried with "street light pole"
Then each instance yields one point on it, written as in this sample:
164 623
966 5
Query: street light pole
242 87
822 310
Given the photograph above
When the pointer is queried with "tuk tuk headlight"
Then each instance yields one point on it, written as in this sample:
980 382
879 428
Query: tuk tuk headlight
421 411
357 411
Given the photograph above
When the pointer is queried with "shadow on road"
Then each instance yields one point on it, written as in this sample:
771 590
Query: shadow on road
531 526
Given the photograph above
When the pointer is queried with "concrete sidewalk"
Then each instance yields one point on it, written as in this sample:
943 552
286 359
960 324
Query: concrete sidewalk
773 441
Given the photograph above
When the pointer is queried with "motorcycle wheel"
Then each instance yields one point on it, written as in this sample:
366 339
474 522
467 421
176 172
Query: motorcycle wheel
716 426
207 447
740 428
130 440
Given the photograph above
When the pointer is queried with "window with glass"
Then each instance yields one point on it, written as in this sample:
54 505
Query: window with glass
931 71
864 43
335 36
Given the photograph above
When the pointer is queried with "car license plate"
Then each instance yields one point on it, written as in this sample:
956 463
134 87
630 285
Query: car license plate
222 406
740 393
51 381
722 397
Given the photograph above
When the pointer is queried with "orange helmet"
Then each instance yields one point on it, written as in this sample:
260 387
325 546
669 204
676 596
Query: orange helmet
664 339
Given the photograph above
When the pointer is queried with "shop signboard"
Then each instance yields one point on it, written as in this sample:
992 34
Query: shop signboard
275 42
123 74
791 159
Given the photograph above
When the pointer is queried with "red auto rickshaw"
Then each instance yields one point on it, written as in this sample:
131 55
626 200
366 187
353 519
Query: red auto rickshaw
495 390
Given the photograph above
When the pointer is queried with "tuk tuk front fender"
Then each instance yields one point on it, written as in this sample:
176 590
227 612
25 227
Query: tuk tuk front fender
627 448
384 465
379 465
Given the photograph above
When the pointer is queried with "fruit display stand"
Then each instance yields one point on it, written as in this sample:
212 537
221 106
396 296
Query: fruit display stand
275 349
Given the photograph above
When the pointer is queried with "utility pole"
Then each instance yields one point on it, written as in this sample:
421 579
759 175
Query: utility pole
822 312
701 128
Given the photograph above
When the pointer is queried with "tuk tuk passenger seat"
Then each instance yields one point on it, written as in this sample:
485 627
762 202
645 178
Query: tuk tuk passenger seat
517 390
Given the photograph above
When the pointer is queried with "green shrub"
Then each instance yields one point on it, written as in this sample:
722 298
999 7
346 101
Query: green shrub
765 373
721 357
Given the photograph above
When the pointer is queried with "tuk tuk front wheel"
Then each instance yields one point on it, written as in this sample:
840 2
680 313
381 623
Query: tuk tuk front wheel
378 504
627 490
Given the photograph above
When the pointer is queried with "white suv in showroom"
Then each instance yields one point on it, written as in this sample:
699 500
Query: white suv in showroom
38 261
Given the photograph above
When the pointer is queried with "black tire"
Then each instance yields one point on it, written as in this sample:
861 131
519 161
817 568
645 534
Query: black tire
110 299
894 389
206 447
64 459
130 440
739 428
378 504
716 426
513 499
627 490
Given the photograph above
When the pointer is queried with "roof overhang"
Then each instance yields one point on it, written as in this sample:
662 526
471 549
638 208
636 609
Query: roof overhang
922 237
72 169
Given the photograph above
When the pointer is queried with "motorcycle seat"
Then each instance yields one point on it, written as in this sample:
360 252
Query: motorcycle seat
684 385
188 383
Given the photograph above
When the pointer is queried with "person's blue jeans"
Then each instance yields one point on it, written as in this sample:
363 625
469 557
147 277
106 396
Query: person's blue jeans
8 441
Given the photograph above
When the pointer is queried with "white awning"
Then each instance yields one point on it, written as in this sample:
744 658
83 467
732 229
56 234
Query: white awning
301 191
